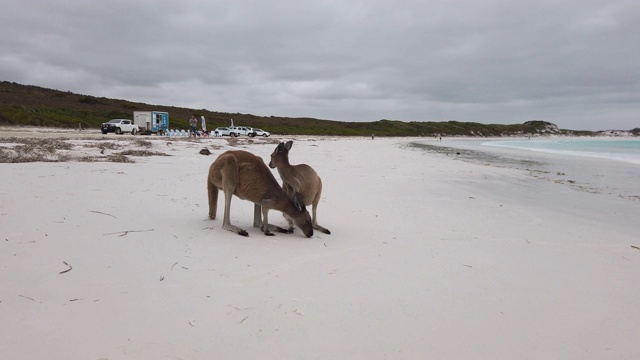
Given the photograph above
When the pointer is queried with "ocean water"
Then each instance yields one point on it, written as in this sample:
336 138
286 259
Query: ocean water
627 150
601 166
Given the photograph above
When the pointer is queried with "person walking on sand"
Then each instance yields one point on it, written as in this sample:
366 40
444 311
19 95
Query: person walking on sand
193 123
204 126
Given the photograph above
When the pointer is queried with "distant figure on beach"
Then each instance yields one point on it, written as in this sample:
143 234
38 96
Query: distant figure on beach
373 136
204 126
193 123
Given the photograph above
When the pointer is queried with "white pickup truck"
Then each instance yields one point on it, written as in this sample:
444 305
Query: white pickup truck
119 126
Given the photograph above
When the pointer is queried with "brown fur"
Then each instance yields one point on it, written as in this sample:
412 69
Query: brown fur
300 179
246 176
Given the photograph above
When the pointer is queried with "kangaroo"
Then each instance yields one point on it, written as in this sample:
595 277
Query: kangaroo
246 176
300 179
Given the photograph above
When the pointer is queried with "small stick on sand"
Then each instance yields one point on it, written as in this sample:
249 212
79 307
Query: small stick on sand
123 233
635 247
32 299
66 271
99 212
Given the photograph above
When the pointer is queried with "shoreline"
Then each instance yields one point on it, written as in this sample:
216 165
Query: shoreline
597 175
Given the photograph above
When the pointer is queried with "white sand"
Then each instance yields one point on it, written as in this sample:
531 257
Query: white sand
429 258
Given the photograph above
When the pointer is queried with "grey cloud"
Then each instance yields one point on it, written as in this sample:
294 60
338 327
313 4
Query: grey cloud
571 62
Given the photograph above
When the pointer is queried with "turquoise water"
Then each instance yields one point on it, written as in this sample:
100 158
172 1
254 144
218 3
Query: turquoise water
627 150
603 166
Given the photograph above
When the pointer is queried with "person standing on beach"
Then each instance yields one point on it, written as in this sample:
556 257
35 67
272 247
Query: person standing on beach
204 126
193 123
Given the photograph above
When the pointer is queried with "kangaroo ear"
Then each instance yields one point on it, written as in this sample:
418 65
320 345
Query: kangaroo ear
297 201
288 145
280 147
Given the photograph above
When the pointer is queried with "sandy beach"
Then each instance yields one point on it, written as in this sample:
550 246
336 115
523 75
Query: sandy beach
430 257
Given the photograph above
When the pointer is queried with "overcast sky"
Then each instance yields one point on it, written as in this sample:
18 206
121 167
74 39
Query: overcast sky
575 63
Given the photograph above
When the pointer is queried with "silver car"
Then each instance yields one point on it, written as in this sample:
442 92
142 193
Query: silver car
260 132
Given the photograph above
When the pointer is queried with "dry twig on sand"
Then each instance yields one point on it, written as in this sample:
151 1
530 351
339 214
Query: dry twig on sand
100 212
66 271
32 299
123 233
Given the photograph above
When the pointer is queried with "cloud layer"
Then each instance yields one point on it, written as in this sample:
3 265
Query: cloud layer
574 63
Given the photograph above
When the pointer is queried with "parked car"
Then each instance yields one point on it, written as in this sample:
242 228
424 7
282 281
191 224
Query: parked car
223 131
243 130
119 126
260 132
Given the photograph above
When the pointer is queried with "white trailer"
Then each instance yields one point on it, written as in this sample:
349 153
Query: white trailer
156 122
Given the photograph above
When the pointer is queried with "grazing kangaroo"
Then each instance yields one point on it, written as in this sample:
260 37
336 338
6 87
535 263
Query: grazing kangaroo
246 176
300 179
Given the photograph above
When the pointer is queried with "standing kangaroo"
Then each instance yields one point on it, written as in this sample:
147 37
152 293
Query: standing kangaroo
298 179
246 176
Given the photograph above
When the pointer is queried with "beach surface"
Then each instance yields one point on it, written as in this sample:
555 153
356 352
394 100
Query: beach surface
429 256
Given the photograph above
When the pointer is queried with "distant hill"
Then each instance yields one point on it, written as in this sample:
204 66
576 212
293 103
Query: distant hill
28 105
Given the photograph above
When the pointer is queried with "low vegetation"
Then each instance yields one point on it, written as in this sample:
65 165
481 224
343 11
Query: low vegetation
26 105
